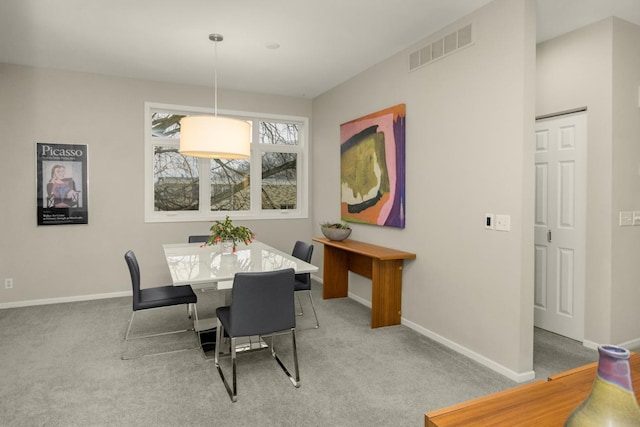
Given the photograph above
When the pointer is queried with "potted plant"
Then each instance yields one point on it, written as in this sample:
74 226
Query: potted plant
335 230
224 232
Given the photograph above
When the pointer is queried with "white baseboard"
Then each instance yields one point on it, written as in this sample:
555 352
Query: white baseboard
515 376
627 344
630 344
361 300
46 301
590 344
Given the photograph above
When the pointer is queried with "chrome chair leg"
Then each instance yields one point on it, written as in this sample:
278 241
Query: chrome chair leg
295 357
233 393
314 310
195 324
232 390
294 380
300 304
126 335
128 338
312 306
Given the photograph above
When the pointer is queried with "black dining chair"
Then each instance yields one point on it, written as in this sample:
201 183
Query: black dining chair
163 296
304 251
262 303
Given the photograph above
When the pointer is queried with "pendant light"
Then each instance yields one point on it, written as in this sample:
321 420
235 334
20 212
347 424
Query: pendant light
212 136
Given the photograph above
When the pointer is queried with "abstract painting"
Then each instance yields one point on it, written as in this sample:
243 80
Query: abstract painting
372 168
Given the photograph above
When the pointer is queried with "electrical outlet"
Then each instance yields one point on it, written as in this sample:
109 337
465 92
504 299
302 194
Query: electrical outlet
8 283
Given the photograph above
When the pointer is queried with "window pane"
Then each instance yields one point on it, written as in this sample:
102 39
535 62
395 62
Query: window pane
165 125
230 189
278 133
268 185
175 178
279 186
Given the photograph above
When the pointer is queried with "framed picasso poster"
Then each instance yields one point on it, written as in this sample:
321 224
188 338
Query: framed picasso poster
61 184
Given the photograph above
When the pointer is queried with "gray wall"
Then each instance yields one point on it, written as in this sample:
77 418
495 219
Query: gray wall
107 114
598 67
469 136
625 289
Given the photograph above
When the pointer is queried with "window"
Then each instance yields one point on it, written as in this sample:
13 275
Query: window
272 183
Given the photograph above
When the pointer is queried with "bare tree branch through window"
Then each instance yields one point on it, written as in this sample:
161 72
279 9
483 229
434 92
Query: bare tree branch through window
176 178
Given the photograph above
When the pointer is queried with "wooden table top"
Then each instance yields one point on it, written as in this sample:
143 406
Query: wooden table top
367 249
540 403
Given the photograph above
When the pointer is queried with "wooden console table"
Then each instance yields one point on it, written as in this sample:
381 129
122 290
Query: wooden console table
541 403
382 265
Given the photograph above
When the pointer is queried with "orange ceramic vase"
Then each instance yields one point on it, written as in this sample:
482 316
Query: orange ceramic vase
612 401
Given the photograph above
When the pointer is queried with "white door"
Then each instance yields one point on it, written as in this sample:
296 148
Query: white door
560 224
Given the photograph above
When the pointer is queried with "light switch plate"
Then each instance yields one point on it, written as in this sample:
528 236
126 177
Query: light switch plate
636 217
626 218
503 222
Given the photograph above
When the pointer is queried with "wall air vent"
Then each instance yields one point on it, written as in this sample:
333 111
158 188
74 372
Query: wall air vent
441 47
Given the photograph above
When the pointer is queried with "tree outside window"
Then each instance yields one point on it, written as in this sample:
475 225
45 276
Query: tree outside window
267 182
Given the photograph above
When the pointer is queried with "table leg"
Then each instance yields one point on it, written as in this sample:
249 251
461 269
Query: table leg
386 293
335 280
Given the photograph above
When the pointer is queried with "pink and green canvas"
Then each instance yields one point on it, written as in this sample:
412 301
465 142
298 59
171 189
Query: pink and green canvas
372 168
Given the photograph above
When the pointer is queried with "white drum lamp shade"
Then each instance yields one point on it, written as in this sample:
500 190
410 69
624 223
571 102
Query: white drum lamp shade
215 137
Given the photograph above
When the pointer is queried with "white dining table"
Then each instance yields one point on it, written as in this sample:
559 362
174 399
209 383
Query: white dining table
207 267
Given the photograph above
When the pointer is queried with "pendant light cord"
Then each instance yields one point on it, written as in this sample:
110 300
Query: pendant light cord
215 38
215 79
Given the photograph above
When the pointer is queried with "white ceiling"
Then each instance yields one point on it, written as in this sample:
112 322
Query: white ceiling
322 42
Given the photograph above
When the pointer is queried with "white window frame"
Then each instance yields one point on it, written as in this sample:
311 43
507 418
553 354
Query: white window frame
255 212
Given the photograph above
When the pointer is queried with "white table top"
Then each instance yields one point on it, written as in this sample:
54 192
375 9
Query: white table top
191 263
